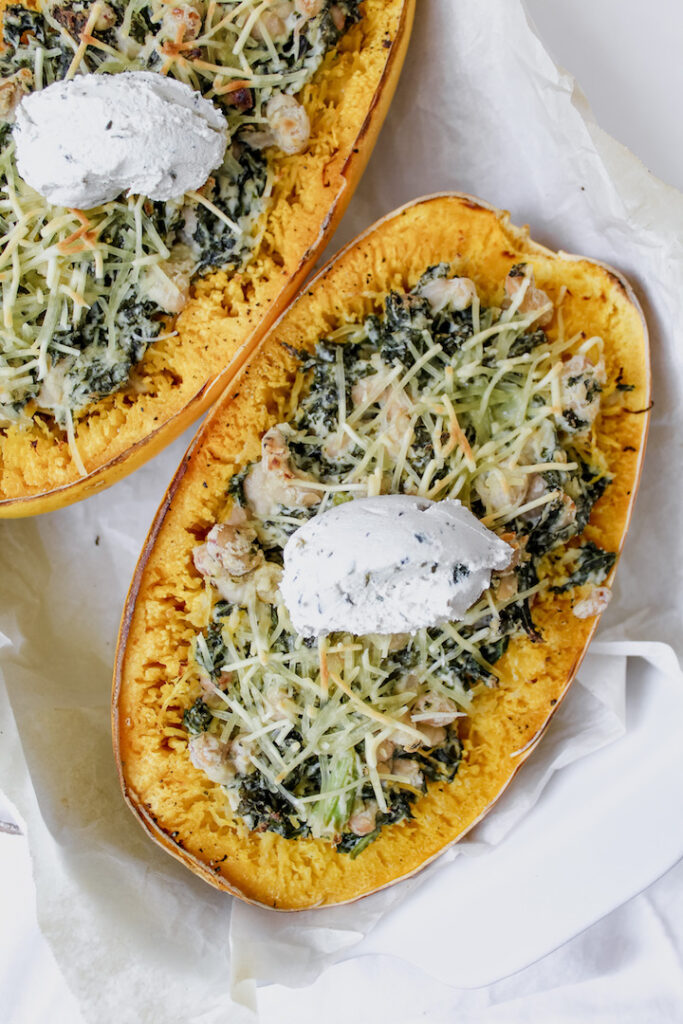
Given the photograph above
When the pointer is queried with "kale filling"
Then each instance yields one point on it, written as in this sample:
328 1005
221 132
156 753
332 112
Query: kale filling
592 565
198 718
220 235
460 660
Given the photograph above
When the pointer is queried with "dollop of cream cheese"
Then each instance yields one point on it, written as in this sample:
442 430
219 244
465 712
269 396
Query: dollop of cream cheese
83 142
391 564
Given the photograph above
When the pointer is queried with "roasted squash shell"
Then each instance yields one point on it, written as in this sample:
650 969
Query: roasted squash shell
347 102
174 802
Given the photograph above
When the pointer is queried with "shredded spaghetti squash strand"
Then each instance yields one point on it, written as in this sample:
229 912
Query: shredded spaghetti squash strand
344 732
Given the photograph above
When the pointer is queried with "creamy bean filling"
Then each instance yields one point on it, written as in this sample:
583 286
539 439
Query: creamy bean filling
439 397
85 292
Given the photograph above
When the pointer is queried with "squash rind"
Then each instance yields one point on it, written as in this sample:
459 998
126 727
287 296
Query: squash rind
21 495
509 721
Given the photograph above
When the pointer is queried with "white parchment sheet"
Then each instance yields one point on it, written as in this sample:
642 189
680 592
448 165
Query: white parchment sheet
480 108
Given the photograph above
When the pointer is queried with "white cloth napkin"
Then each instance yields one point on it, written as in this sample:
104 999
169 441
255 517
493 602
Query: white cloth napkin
480 108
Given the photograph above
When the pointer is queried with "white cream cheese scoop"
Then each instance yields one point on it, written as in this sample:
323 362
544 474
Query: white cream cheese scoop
391 564
83 142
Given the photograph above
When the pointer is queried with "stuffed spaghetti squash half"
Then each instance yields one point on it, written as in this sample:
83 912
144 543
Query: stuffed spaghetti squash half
443 354
122 323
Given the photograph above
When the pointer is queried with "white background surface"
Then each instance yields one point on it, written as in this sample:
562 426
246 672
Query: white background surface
627 59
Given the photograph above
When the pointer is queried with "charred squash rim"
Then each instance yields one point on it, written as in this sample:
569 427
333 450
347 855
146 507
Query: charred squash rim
340 174
508 723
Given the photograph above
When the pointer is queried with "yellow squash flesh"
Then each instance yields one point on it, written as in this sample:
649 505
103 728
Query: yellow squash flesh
227 315
166 607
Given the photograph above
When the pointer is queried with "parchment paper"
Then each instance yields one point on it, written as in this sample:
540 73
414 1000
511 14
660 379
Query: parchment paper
480 108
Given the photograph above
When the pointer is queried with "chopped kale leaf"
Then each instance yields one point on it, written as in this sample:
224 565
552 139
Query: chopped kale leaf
441 764
18 23
235 488
574 421
593 565
399 809
198 718
495 651
330 25
264 809
433 273
527 342
213 659
237 189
